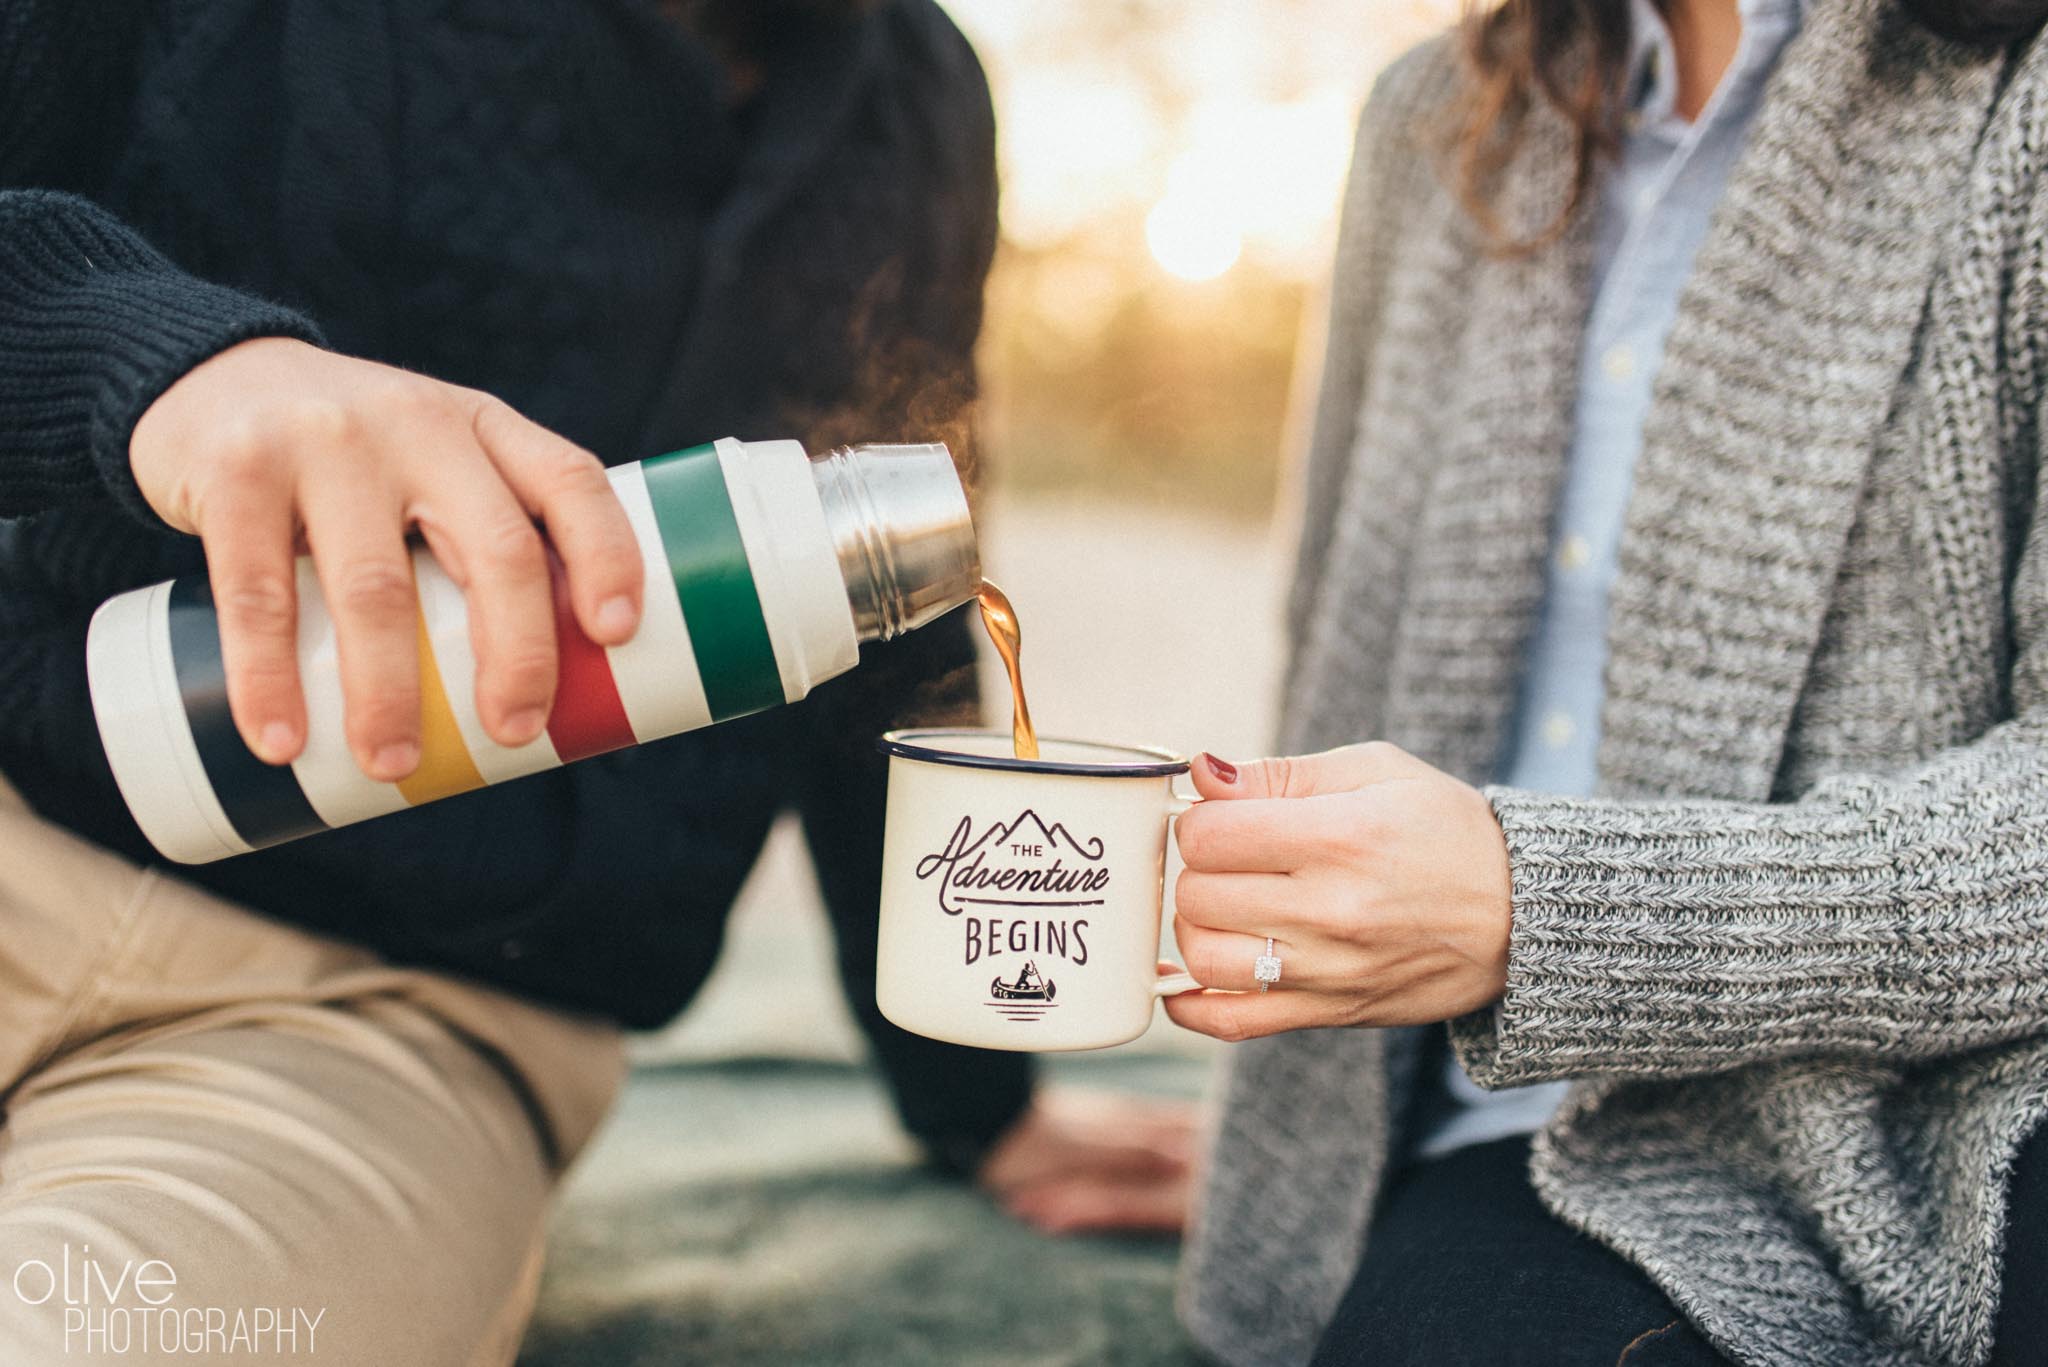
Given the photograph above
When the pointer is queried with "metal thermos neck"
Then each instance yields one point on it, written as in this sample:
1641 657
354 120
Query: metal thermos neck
903 534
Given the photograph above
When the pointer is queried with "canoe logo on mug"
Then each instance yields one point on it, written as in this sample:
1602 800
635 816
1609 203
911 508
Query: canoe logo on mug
1022 890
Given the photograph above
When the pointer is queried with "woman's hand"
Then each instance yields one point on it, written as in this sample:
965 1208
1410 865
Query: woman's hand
1382 881
274 443
1079 1162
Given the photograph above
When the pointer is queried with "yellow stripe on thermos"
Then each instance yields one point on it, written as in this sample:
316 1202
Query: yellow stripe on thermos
445 766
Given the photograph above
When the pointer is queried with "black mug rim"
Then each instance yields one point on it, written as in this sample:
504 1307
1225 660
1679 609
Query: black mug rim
908 744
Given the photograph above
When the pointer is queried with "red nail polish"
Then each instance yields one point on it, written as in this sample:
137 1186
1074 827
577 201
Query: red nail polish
1225 771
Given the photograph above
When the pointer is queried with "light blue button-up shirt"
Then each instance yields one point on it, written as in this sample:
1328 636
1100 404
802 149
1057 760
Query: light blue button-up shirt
1655 205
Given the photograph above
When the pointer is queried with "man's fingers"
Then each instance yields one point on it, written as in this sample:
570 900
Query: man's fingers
366 578
247 531
1086 1204
565 487
480 534
1238 1016
1135 1161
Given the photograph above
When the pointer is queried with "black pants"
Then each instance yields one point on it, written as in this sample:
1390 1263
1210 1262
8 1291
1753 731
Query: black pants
1465 1268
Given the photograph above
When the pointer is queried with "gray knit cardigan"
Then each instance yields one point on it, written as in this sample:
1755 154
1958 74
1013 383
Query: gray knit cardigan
1796 952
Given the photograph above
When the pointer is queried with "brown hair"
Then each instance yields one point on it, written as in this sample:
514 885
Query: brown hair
1572 55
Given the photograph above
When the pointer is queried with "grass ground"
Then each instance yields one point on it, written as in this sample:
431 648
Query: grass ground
769 1214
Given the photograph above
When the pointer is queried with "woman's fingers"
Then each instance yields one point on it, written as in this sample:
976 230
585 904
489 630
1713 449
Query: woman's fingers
248 540
1224 958
1257 835
1238 1016
565 487
355 532
1255 903
478 532
1297 776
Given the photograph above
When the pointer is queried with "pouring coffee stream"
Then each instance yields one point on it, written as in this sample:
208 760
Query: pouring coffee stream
1000 619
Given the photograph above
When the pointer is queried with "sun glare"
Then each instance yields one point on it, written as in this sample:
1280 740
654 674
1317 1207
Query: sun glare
1189 241
1071 149
1225 134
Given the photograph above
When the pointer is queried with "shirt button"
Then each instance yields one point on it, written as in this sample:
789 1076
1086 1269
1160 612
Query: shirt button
1558 730
1575 554
1619 363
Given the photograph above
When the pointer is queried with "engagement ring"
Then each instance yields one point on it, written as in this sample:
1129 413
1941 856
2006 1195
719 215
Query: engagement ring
1266 968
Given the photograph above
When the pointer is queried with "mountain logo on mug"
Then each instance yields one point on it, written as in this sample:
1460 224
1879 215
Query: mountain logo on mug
1020 887
1027 862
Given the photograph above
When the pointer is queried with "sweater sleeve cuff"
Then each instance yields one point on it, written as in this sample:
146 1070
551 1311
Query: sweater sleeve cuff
95 324
1644 943
167 325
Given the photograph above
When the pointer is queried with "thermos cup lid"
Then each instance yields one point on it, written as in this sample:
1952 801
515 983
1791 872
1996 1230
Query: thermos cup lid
903 532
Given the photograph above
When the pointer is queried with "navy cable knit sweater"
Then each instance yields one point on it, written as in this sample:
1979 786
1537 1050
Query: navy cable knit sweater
557 202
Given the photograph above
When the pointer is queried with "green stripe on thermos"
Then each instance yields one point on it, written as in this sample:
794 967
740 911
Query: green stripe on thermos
708 561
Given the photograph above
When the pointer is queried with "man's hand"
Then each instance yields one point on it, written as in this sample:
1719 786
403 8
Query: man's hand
274 443
1383 883
1091 1162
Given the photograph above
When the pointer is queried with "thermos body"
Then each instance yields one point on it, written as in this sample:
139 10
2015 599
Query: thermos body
764 572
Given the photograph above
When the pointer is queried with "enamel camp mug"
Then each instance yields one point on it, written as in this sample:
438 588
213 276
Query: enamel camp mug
1021 897
765 570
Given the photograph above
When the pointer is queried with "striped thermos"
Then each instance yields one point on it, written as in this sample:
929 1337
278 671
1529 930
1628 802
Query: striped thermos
765 571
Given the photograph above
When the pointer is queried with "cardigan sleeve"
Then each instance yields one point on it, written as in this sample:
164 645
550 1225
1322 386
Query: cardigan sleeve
1892 918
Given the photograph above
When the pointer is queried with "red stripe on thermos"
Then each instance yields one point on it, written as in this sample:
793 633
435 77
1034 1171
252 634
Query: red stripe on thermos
589 718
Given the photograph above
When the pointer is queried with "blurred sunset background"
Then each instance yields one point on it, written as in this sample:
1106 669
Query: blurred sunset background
1171 171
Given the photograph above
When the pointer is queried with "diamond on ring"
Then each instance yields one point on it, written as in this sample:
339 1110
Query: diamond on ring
1266 968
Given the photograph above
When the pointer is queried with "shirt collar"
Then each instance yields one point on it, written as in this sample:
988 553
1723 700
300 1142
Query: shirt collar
1652 73
1653 67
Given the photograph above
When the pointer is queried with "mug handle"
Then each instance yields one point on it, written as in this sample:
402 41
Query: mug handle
1173 984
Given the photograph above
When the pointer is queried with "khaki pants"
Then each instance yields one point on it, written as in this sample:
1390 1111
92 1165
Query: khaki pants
226 1140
